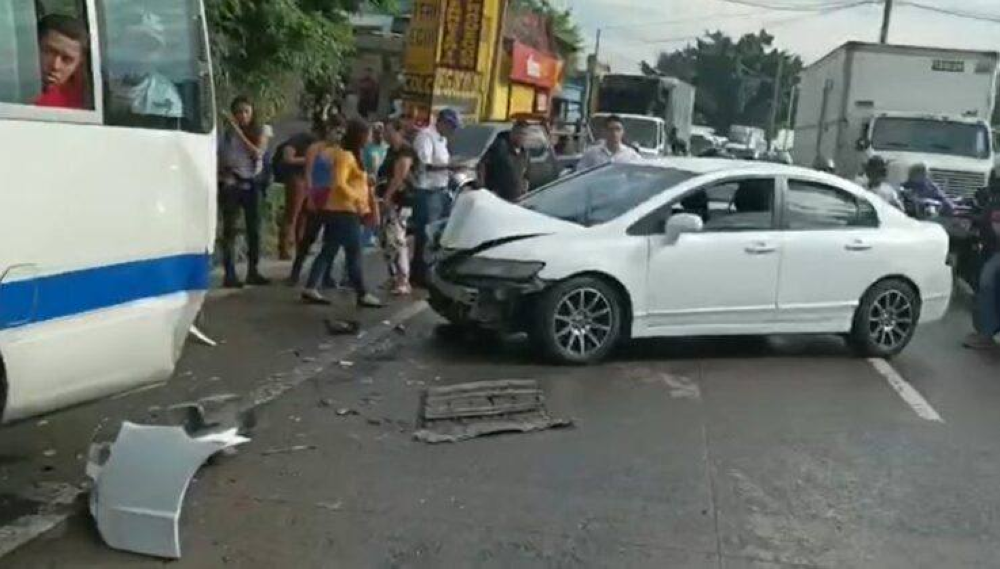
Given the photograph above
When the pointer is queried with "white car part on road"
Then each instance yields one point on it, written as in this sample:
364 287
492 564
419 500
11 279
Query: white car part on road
139 491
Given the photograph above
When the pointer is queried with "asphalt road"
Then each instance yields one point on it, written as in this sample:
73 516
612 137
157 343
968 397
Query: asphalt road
738 453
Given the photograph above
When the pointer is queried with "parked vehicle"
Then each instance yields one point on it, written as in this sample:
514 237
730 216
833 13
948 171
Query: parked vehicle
688 247
665 98
108 213
746 142
471 142
907 104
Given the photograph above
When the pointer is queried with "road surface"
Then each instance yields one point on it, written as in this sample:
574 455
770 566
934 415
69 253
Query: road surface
737 453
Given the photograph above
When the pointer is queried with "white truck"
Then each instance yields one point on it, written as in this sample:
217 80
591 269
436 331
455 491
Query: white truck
652 107
907 104
746 142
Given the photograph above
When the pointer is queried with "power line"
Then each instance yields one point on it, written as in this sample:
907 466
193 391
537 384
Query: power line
994 18
680 21
796 7
775 23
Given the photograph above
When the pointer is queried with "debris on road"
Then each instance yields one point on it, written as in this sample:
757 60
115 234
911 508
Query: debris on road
49 453
342 327
469 410
287 450
141 478
346 363
201 337
333 507
346 412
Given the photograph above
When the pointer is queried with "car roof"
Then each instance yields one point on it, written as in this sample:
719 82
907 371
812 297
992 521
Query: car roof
713 165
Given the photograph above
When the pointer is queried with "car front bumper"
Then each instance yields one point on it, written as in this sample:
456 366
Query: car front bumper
494 304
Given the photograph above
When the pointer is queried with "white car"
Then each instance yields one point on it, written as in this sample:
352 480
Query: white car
690 247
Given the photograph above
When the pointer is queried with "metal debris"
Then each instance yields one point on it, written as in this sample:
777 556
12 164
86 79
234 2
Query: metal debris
201 337
345 412
342 327
288 450
461 412
140 479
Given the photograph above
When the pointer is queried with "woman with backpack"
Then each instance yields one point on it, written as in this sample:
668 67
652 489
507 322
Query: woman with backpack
347 206
241 154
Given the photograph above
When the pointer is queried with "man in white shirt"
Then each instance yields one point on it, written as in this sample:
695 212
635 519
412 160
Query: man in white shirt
431 199
874 180
612 150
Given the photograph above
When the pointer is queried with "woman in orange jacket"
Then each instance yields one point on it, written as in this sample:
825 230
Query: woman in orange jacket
349 204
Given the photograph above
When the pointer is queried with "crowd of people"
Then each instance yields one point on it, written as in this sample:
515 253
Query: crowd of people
344 180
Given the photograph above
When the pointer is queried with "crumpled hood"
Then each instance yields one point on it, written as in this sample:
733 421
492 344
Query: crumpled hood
480 216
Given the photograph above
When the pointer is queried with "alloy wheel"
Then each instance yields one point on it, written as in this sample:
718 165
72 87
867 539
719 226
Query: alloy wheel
891 319
583 321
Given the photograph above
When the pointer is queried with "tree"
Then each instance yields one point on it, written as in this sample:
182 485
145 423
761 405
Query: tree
268 49
734 78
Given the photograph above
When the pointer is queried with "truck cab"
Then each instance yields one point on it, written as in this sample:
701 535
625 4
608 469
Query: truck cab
958 151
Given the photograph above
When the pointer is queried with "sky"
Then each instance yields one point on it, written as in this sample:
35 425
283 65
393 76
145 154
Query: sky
635 30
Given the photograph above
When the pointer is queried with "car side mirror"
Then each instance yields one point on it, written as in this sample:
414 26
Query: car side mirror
863 144
681 223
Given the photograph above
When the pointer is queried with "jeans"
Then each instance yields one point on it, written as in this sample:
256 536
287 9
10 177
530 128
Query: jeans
429 206
987 320
340 230
232 198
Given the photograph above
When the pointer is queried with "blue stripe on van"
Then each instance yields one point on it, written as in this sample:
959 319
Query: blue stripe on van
78 292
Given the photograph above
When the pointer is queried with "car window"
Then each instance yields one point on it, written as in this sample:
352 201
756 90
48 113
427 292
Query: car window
810 205
45 55
603 194
733 205
155 65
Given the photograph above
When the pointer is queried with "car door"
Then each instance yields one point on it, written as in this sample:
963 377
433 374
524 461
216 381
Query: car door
831 254
723 279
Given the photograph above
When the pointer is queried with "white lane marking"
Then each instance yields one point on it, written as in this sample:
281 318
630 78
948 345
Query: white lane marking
911 396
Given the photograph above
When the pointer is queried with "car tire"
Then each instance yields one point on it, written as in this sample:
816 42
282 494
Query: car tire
579 321
886 319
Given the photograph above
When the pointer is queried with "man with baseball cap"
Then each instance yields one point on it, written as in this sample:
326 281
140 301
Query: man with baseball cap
432 201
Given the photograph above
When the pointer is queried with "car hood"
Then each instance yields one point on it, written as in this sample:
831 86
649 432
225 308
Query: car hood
479 217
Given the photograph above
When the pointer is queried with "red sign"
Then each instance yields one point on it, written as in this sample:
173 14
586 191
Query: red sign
534 67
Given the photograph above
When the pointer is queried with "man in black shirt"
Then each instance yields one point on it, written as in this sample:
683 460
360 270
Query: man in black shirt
504 168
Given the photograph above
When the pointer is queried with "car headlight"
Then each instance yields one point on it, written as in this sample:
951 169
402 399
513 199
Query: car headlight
484 267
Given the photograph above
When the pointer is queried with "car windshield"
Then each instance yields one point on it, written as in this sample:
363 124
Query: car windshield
641 132
931 136
603 194
470 142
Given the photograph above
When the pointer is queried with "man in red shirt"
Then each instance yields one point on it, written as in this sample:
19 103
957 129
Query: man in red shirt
63 46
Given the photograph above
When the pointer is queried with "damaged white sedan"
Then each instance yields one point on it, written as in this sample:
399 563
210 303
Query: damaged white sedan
690 247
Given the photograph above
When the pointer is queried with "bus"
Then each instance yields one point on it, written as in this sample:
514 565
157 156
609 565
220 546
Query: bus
108 200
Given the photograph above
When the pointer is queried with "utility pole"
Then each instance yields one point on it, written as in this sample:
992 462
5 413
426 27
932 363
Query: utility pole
772 131
886 20
592 76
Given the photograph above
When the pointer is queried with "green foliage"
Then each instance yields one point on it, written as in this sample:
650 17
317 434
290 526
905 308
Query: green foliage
735 78
267 49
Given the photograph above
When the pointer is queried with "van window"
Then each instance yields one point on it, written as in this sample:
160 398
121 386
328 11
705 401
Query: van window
155 65
45 55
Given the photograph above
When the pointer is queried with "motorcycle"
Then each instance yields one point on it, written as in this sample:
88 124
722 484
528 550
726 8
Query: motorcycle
966 254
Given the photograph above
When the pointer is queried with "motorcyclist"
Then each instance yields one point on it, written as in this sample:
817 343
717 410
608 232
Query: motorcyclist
986 315
921 187
874 180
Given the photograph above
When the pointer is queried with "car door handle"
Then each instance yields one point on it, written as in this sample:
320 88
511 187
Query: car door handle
760 248
858 245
